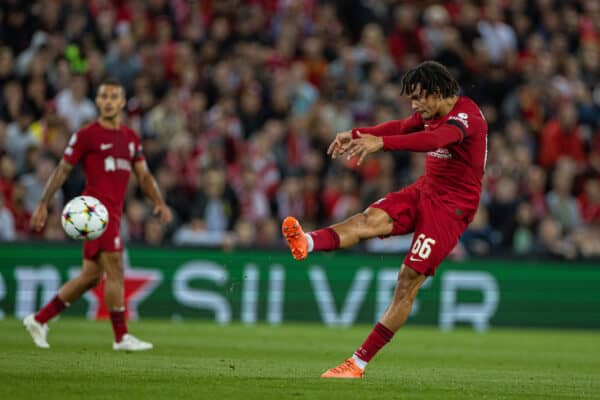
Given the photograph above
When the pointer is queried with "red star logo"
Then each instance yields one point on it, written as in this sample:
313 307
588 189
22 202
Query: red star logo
138 285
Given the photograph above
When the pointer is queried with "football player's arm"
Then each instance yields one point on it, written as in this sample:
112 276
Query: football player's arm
390 128
55 182
426 140
150 189
419 141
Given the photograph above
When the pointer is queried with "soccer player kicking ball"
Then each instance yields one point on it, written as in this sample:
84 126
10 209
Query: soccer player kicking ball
108 151
437 207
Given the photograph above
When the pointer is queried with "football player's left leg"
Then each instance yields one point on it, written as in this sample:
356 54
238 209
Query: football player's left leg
112 263
409 282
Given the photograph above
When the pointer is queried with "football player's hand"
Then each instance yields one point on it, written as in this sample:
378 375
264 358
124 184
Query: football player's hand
340 144
164 213
364 144
38 218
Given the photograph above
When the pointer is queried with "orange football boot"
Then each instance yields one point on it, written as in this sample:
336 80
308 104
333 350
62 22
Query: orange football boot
295 238
346 370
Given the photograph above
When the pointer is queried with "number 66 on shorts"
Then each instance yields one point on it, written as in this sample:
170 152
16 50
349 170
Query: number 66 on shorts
436 229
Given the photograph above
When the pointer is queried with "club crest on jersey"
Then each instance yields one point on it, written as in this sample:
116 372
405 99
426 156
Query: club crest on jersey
112 164
462 118
442 153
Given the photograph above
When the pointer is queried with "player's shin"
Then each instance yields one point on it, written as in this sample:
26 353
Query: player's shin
379 337
119 323
51 310
325 239
113 296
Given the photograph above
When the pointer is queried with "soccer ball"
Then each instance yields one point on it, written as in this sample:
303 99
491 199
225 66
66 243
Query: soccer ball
84 218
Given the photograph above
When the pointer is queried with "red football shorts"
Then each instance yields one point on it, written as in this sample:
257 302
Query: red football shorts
436 230
110 240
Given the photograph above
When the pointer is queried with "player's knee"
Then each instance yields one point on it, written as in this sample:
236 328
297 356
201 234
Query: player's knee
91 280
113 266
366 225
95 280
403 293
406 288
115 271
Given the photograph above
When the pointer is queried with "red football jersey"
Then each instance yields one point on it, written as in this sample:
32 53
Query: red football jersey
108 156
455 173
456 146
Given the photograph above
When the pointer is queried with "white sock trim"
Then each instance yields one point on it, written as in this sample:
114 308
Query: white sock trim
311 244
362 364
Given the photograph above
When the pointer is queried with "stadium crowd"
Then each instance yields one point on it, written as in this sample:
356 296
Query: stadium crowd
236 102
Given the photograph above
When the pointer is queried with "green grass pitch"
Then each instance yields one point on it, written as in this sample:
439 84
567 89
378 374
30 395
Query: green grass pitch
199 360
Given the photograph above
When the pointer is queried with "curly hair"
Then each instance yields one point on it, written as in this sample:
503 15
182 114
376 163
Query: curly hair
432 77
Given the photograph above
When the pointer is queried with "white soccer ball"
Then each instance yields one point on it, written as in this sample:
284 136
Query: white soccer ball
84 218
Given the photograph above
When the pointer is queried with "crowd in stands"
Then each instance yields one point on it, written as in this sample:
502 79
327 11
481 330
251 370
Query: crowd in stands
236 102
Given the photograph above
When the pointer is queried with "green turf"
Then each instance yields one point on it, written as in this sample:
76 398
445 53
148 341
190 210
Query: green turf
205 361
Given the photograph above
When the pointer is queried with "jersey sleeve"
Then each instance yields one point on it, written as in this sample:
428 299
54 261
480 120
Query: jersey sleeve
424 141
76 148
138 151
397 127
468 122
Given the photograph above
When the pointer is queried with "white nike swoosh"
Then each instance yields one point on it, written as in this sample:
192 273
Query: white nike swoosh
105 146
411 258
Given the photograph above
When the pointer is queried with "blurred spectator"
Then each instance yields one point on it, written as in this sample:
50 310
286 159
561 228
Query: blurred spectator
166 121
123 62
7 177
253 202
289 196
73 105
245 233
33 183
154 232
534 188
7 222
216 203
551 239
436 19
589 201
19 138
561 203
136 213
480 239
406 37
194 233
561 137
20 214
524 237
498 38
502 209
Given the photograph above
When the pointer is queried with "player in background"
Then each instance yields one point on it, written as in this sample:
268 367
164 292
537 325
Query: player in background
438 207
109 151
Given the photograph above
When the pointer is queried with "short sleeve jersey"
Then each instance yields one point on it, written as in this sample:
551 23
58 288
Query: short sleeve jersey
107 156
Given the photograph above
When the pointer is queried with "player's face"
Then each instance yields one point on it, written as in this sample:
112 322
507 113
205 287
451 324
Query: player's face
425 104
110 100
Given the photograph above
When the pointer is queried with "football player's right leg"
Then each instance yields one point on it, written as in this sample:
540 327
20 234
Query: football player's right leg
37 325
370 223
89 277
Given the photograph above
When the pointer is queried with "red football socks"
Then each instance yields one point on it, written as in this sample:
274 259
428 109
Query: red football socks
325 239
119 324
50 310
379 337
